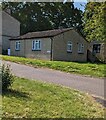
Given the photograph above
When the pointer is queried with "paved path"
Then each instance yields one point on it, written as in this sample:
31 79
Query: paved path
93 86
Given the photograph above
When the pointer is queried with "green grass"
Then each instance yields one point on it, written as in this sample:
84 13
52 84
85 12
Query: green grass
95 70
33 99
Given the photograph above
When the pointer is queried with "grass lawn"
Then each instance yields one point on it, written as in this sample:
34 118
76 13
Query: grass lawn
95 70
33 99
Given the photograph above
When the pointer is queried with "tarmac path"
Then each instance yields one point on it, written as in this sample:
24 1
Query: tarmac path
90 85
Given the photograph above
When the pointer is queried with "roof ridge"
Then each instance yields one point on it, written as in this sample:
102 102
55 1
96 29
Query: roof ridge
42 34
50 30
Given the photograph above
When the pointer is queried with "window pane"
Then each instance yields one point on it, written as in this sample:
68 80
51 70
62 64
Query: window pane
39 45
96 48
80 48
17 45
36 45
69 46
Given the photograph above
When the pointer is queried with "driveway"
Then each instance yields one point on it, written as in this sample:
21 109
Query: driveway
93 86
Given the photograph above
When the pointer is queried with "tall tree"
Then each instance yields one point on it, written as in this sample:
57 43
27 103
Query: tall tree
44 16
95 21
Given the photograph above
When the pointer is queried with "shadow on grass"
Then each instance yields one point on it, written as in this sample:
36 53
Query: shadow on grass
15 93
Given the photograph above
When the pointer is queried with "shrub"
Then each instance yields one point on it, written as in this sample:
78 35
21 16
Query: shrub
4 52
6 77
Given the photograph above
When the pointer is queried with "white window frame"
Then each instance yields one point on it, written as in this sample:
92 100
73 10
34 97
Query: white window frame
36 45
17 45
80 48
69 46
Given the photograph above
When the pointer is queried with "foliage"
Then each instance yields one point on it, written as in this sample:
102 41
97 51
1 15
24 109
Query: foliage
36 16
33 99
92 69
7 77
4 52
95 21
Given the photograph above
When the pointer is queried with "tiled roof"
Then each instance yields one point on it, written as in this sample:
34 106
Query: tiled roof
42 34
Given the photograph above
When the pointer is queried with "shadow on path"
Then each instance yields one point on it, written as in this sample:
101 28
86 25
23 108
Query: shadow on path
100 100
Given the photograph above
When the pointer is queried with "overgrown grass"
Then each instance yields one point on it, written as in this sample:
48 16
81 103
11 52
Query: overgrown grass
33 99
92 69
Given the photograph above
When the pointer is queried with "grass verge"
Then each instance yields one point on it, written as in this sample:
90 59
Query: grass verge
95 70
33 99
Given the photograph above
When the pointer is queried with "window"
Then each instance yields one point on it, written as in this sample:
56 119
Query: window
69 46
36 45
96 48
80 48
17 45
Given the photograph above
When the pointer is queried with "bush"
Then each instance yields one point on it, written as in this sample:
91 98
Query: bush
4 52
6 77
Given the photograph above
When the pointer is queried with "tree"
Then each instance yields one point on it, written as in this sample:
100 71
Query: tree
95 21
36 16
6 77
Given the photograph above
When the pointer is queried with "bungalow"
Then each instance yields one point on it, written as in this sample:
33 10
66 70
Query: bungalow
59 44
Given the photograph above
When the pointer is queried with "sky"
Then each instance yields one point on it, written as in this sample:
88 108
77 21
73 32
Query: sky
80 4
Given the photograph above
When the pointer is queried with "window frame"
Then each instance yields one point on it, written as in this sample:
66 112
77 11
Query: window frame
69 45
34 45
80 48
17 45
98 48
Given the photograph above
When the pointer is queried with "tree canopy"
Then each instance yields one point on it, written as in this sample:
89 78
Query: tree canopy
36 16
95 21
